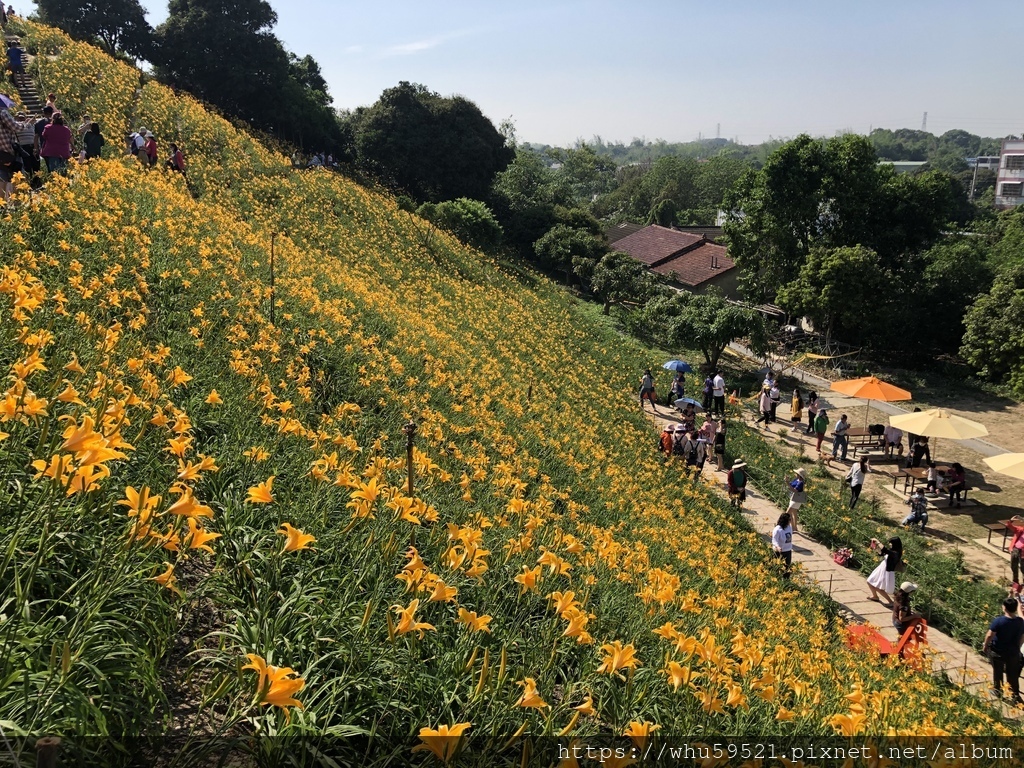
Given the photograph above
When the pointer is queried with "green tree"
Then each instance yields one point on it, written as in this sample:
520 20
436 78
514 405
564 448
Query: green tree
225 52
523 198
618 277
469 220
831 194
582 173
570 250
706 322
993 342
120 26
955 274
432 147
839 290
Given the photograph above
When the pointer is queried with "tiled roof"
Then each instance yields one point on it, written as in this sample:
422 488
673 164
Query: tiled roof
654 244
694 266
619 231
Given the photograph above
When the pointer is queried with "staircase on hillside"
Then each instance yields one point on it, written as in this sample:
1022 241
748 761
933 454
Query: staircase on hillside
25 85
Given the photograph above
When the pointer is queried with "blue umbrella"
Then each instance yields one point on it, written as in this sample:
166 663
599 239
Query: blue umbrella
678 365
6 103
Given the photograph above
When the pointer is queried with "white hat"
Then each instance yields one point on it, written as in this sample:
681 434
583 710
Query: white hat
668 428
738 464
907 587
800 471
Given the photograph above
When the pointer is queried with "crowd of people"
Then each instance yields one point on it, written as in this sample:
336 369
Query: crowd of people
27 142
695 444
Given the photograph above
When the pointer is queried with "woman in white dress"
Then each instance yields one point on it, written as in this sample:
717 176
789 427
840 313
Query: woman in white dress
882 581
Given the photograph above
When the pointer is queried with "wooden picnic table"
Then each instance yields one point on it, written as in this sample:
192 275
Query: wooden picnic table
1003 527
860 437
913 475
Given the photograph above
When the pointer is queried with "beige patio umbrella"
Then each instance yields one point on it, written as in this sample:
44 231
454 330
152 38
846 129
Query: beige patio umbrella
937 423
1011 464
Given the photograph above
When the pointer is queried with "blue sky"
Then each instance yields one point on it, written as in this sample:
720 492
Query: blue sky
671 70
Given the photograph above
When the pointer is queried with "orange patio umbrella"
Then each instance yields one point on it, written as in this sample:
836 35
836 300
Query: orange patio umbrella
870 388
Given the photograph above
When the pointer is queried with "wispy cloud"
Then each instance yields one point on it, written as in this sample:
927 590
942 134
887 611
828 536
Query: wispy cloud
426 44
353 49
409 49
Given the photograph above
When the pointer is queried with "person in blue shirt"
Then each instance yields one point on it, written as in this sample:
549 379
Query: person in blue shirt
1003 647
14 57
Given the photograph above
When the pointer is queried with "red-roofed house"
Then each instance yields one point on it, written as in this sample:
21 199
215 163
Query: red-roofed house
688 260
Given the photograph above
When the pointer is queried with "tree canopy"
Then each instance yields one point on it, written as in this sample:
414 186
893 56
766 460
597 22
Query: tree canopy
618 277
225 52
994 337
429 146
120 26
831 194
708 322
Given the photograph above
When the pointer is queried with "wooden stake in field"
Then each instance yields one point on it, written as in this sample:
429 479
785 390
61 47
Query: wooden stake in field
410 434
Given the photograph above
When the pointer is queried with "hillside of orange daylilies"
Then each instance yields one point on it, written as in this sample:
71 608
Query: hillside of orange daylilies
207 543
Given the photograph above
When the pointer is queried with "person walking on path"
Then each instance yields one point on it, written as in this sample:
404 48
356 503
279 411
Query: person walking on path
647 390
720 445
56 141
856 479
796 406
820 427
93 141
718 392
678 388
1016 550
882 581
812 411
706 393
736 482
764 405
839 437
902 613
782 543
1003 648
797 495
776 397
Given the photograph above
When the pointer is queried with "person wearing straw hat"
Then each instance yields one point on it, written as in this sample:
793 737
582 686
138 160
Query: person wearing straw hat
1003 647
902 614
665 441
797 495
736 481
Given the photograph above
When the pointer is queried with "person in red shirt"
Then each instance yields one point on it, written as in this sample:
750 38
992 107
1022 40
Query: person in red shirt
56 144
151 149
1016 549
177 160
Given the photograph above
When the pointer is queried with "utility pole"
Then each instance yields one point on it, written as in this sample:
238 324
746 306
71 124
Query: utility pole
718 131
974 178
924 123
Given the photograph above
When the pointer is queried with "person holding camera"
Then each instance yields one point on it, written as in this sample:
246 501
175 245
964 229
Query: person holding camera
1003 648
882 581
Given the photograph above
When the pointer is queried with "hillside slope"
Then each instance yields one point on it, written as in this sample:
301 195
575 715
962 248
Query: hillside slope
149 401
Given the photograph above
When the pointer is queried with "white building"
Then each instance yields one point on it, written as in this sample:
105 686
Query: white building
1010 178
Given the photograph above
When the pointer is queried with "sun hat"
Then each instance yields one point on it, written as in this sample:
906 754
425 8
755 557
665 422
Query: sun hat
680 428
668 428
800 471
908 586
738 464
